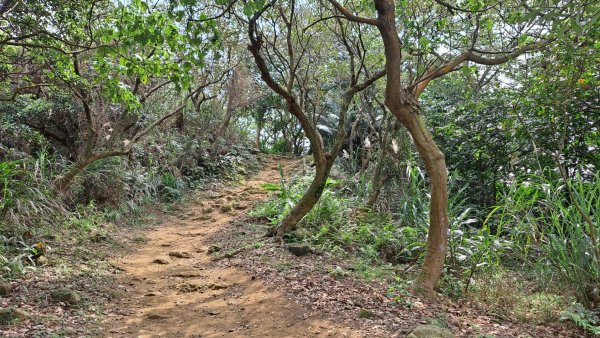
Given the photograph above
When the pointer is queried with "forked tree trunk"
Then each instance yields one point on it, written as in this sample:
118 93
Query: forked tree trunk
323 161
403 104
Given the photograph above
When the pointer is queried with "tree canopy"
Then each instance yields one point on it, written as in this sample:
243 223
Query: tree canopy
455 135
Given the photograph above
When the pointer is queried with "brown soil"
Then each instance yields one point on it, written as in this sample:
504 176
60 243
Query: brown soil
175 288
205 270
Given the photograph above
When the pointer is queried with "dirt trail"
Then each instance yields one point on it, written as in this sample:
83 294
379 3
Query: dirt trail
174 289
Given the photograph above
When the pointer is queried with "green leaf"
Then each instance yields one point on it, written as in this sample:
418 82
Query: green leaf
248 9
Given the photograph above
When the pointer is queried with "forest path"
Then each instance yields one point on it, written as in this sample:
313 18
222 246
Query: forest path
175 289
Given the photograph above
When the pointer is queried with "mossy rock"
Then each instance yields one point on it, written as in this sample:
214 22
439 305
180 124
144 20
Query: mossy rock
364 313
213 248
299 249
240 206
226 207
66 295
5 289
430 331
98 237
11 315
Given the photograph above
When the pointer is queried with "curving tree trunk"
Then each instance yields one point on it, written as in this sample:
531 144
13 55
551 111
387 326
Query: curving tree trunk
322 159
307 202
222 129
63 183
257 136
437 237
403 104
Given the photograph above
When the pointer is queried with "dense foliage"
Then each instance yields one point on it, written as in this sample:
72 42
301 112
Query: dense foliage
109 106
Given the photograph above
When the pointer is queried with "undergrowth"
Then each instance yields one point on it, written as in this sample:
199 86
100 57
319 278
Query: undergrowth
112 191
530 257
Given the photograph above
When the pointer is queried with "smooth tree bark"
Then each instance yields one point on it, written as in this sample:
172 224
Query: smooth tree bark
404 105
257 136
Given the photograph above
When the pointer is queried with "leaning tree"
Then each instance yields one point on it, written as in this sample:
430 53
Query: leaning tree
113 68
289 43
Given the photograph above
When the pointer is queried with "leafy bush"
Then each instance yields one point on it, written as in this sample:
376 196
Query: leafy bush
103 184
16 256
543 213
472 250
275 209
12 184
171 187
510 294
26 198
279 147
85 217
582 317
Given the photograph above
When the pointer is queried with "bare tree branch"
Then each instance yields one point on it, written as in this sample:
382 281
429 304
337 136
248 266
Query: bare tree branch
352 17
453 64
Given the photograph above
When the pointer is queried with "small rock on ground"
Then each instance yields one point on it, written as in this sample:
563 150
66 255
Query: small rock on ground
299 249
155 316
8 315
153 294
213 248
430 331
364 313
180 254
66 295
162 261
217 286
4 289
240 206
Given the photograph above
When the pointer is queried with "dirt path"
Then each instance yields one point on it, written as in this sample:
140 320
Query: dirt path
174 289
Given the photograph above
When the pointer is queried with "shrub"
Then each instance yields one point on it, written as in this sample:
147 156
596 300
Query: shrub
26 198
543 213
582 317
